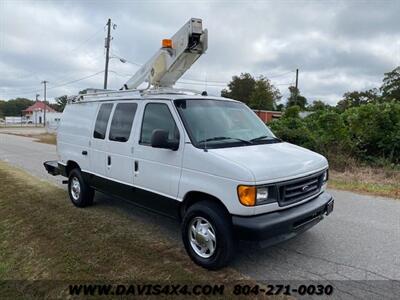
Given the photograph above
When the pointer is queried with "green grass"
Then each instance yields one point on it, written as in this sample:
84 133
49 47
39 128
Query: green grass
386 190
43 237
367 180
46 138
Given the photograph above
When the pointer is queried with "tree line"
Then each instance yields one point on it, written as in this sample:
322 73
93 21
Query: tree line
14 107
260 93
364 126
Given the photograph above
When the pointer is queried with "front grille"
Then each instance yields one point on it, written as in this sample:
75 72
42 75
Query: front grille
299 189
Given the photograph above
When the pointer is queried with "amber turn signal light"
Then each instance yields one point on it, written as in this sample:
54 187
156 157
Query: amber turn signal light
247 195
167 43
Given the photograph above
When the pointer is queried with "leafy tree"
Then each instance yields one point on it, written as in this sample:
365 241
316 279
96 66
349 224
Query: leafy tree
364 126
61 102
375 129
14 107
296 99
330 134
318 105
292 112
264 95
240 88
280 107
355 98
2 103
291 128
391 85
257 93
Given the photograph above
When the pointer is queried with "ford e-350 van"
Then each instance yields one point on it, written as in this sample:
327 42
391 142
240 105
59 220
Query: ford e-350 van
208 161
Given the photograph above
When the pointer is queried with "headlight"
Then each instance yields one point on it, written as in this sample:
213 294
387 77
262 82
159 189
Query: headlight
262 194
252 195
325 176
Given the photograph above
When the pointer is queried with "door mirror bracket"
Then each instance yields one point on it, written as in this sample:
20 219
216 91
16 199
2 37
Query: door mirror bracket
159 139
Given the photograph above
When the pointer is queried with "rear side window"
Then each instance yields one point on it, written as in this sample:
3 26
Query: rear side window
157 116
121 124
102 120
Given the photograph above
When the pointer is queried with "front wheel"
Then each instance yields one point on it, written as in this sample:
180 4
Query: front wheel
207 235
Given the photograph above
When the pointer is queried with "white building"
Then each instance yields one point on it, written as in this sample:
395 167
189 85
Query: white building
34 114
52 121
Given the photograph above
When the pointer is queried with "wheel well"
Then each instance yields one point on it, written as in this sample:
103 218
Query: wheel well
70 166
194 197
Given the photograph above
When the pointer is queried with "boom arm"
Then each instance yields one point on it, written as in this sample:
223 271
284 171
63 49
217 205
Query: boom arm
174 58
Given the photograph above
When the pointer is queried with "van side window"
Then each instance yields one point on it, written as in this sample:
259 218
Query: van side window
157 116
121 124
102 120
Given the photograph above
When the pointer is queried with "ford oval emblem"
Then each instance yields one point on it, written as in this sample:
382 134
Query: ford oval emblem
305 188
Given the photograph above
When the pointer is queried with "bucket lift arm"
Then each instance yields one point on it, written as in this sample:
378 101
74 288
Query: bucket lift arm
174 58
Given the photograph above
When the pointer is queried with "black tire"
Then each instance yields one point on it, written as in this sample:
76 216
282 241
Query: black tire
221 225
86 193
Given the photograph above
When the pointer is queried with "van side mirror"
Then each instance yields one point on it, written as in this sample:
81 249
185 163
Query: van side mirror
159 139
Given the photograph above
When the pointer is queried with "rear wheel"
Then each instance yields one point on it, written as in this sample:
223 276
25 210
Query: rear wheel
207 235
80 193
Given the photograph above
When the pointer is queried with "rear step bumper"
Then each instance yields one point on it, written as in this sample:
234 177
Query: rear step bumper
52 167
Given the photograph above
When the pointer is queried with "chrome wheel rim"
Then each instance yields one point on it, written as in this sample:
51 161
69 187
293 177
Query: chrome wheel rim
75 189
202 237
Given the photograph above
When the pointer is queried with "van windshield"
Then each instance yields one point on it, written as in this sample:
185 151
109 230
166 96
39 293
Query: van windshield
218 124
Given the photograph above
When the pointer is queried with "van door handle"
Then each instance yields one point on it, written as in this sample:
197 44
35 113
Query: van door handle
136 166
109 160
84 152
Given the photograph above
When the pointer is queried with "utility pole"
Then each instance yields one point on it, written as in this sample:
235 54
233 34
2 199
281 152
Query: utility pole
107 46
45 105
297 85
35 113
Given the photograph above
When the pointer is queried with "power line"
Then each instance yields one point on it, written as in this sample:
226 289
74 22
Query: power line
53 87
179 81
200 80
87 40
129 61
26 88
280 75
74 49
76 80
119 74
289 83
200 83
23 93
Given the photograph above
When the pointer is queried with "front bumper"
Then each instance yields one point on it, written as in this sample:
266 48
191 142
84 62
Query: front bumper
274 227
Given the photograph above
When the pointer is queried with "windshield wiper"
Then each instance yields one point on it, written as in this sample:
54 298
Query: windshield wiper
268 138
220 138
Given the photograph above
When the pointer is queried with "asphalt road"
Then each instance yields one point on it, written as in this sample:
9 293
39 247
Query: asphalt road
357 247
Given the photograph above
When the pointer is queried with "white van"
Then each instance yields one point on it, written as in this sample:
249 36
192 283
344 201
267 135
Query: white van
207 161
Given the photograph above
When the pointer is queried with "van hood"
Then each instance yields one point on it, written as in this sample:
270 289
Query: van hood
272 162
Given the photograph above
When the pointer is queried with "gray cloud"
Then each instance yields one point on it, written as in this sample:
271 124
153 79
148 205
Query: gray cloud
337 45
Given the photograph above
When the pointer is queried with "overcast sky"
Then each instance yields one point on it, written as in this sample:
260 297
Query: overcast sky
338 46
